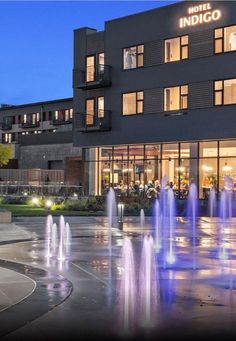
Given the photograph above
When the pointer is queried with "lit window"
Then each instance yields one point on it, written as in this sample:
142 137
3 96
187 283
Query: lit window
176 98
133 103
71 113
90 111
100 107
133 57
225 39
176 49
67 115
90 69
225 92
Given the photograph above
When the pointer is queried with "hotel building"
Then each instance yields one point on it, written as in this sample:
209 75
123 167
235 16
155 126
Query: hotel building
155 95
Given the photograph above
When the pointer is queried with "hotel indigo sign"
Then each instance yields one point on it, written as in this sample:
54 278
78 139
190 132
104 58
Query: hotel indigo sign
200 14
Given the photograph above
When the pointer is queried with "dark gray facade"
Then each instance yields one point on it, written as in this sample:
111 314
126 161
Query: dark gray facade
201 120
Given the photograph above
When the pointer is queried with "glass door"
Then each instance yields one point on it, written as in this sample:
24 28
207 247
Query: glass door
90 69
90 111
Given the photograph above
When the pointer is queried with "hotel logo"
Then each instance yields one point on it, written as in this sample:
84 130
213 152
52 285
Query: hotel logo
200 14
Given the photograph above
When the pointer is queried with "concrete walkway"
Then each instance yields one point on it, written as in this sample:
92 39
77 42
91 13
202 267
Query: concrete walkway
14 287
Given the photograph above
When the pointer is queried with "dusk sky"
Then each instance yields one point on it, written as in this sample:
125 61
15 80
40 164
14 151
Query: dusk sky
36 40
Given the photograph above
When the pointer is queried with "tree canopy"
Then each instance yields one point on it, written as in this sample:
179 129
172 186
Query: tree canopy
6 154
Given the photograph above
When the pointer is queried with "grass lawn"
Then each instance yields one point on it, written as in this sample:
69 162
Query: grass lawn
29 211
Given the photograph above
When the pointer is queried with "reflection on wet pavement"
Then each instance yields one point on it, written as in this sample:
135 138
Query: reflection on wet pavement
191 302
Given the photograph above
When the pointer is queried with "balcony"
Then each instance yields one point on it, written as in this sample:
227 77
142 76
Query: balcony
60 121
29 124
6 126
87 123
92 77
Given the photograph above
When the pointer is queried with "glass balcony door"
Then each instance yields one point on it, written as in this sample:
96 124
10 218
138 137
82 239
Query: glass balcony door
90 111
90 68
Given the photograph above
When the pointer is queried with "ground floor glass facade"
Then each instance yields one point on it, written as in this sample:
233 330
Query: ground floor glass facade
138 169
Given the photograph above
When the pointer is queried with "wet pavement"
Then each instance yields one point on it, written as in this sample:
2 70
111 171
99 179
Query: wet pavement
78 297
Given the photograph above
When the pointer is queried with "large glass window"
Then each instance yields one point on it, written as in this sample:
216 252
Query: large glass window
137 169
152 151
228 148
170 151
225 92
176 49
208 149
189 150
207 176
176 98
133 103
227 170
225 39
133 57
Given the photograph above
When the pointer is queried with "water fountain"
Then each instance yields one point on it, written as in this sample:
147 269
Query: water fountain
54 241
148 291
224 216
49 224
142 219
67 234
67 239
127 288
157 225
171 219
212 202
192 215
111 213
61 249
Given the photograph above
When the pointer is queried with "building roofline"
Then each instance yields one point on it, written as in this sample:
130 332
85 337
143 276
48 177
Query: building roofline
178 2
18 106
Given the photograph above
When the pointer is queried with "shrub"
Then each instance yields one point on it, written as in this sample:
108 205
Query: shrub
15 200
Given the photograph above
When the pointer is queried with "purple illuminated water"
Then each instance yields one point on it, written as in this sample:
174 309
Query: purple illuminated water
142 218
225 215
192 215
148 293
157 225
212 202
54 242
128 289
111 214
171 218
49 224
61 249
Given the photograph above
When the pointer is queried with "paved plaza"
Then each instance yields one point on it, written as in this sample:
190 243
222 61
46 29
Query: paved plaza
79 297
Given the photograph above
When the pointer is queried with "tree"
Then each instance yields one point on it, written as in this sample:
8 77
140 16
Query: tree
6 154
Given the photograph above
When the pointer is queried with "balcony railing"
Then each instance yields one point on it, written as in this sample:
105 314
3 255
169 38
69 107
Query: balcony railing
60 121
6 126
92 77
30 124
93 123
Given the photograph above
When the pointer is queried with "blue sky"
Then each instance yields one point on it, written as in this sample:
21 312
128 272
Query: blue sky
36 44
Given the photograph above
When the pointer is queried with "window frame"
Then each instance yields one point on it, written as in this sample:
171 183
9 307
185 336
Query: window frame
137 55
181 97
221 91
94 103
86 66
181 46
136 103
222 40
